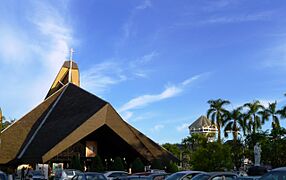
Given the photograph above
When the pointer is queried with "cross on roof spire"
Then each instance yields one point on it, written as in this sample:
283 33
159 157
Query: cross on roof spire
70 70
71 53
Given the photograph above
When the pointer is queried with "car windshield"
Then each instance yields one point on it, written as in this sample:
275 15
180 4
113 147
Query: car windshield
176 176
69 173
95 177
201 177
37 173
276 175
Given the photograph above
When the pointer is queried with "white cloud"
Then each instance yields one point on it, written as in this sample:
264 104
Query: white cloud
144 100
157 128
262 16
31 52
190 80
127 115
183 127
101 76
169 92
144 5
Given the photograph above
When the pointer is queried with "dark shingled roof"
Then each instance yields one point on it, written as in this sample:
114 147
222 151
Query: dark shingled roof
74 107
65 118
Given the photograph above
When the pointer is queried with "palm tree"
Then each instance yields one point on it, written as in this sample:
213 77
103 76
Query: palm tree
216 113
234 122
274 114
253 116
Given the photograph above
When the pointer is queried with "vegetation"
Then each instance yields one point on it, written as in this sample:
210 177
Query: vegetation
137 165
96 164
76 163
216 113
118 164
244 124
213 157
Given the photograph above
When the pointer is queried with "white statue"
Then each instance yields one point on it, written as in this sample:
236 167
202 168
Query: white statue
257 154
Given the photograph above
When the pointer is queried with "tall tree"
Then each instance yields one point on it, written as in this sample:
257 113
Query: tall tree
216 112
234 123
274 114
253 116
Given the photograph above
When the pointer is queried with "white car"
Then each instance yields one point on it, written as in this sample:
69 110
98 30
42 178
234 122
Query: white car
66 174
111 175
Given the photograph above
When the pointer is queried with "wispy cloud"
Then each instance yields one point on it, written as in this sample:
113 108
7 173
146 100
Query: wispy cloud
262 16
168 92
42 43
144 5
183 127
157 128
127 26
144 100
101 77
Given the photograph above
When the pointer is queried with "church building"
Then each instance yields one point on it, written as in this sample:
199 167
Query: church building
74 122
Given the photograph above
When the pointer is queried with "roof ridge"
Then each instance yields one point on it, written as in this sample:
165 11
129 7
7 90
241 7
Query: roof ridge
41 124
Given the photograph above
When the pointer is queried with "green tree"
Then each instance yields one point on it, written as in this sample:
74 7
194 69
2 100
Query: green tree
157 164
253 113
137 165
76 163
194 141
96 164
172 167
118 164
214 157
237 152
234 123
216 112
274 114
173 148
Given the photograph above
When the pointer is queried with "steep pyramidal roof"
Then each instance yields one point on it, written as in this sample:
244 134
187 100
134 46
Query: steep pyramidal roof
69 72
66 116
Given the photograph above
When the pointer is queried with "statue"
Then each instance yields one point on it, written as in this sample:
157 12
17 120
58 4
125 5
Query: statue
257 154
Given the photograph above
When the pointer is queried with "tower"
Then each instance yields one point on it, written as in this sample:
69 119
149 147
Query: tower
69 73
203 126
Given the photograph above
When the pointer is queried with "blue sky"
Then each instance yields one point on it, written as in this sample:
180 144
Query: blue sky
157 62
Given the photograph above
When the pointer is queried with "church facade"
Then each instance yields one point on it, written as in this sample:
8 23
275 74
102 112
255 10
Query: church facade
73 122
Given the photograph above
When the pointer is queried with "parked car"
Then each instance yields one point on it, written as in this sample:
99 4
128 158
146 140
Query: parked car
3 176
216 176
277 174
66 174
110 175
248 177
152 176
89 176
37 175
183 175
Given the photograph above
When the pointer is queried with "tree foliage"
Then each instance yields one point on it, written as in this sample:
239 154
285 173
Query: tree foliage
214 157
137 165
216 113
76 163
173 148
117 164
96 164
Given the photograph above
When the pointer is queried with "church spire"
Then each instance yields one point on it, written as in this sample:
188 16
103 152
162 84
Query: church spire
70 68
69 73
